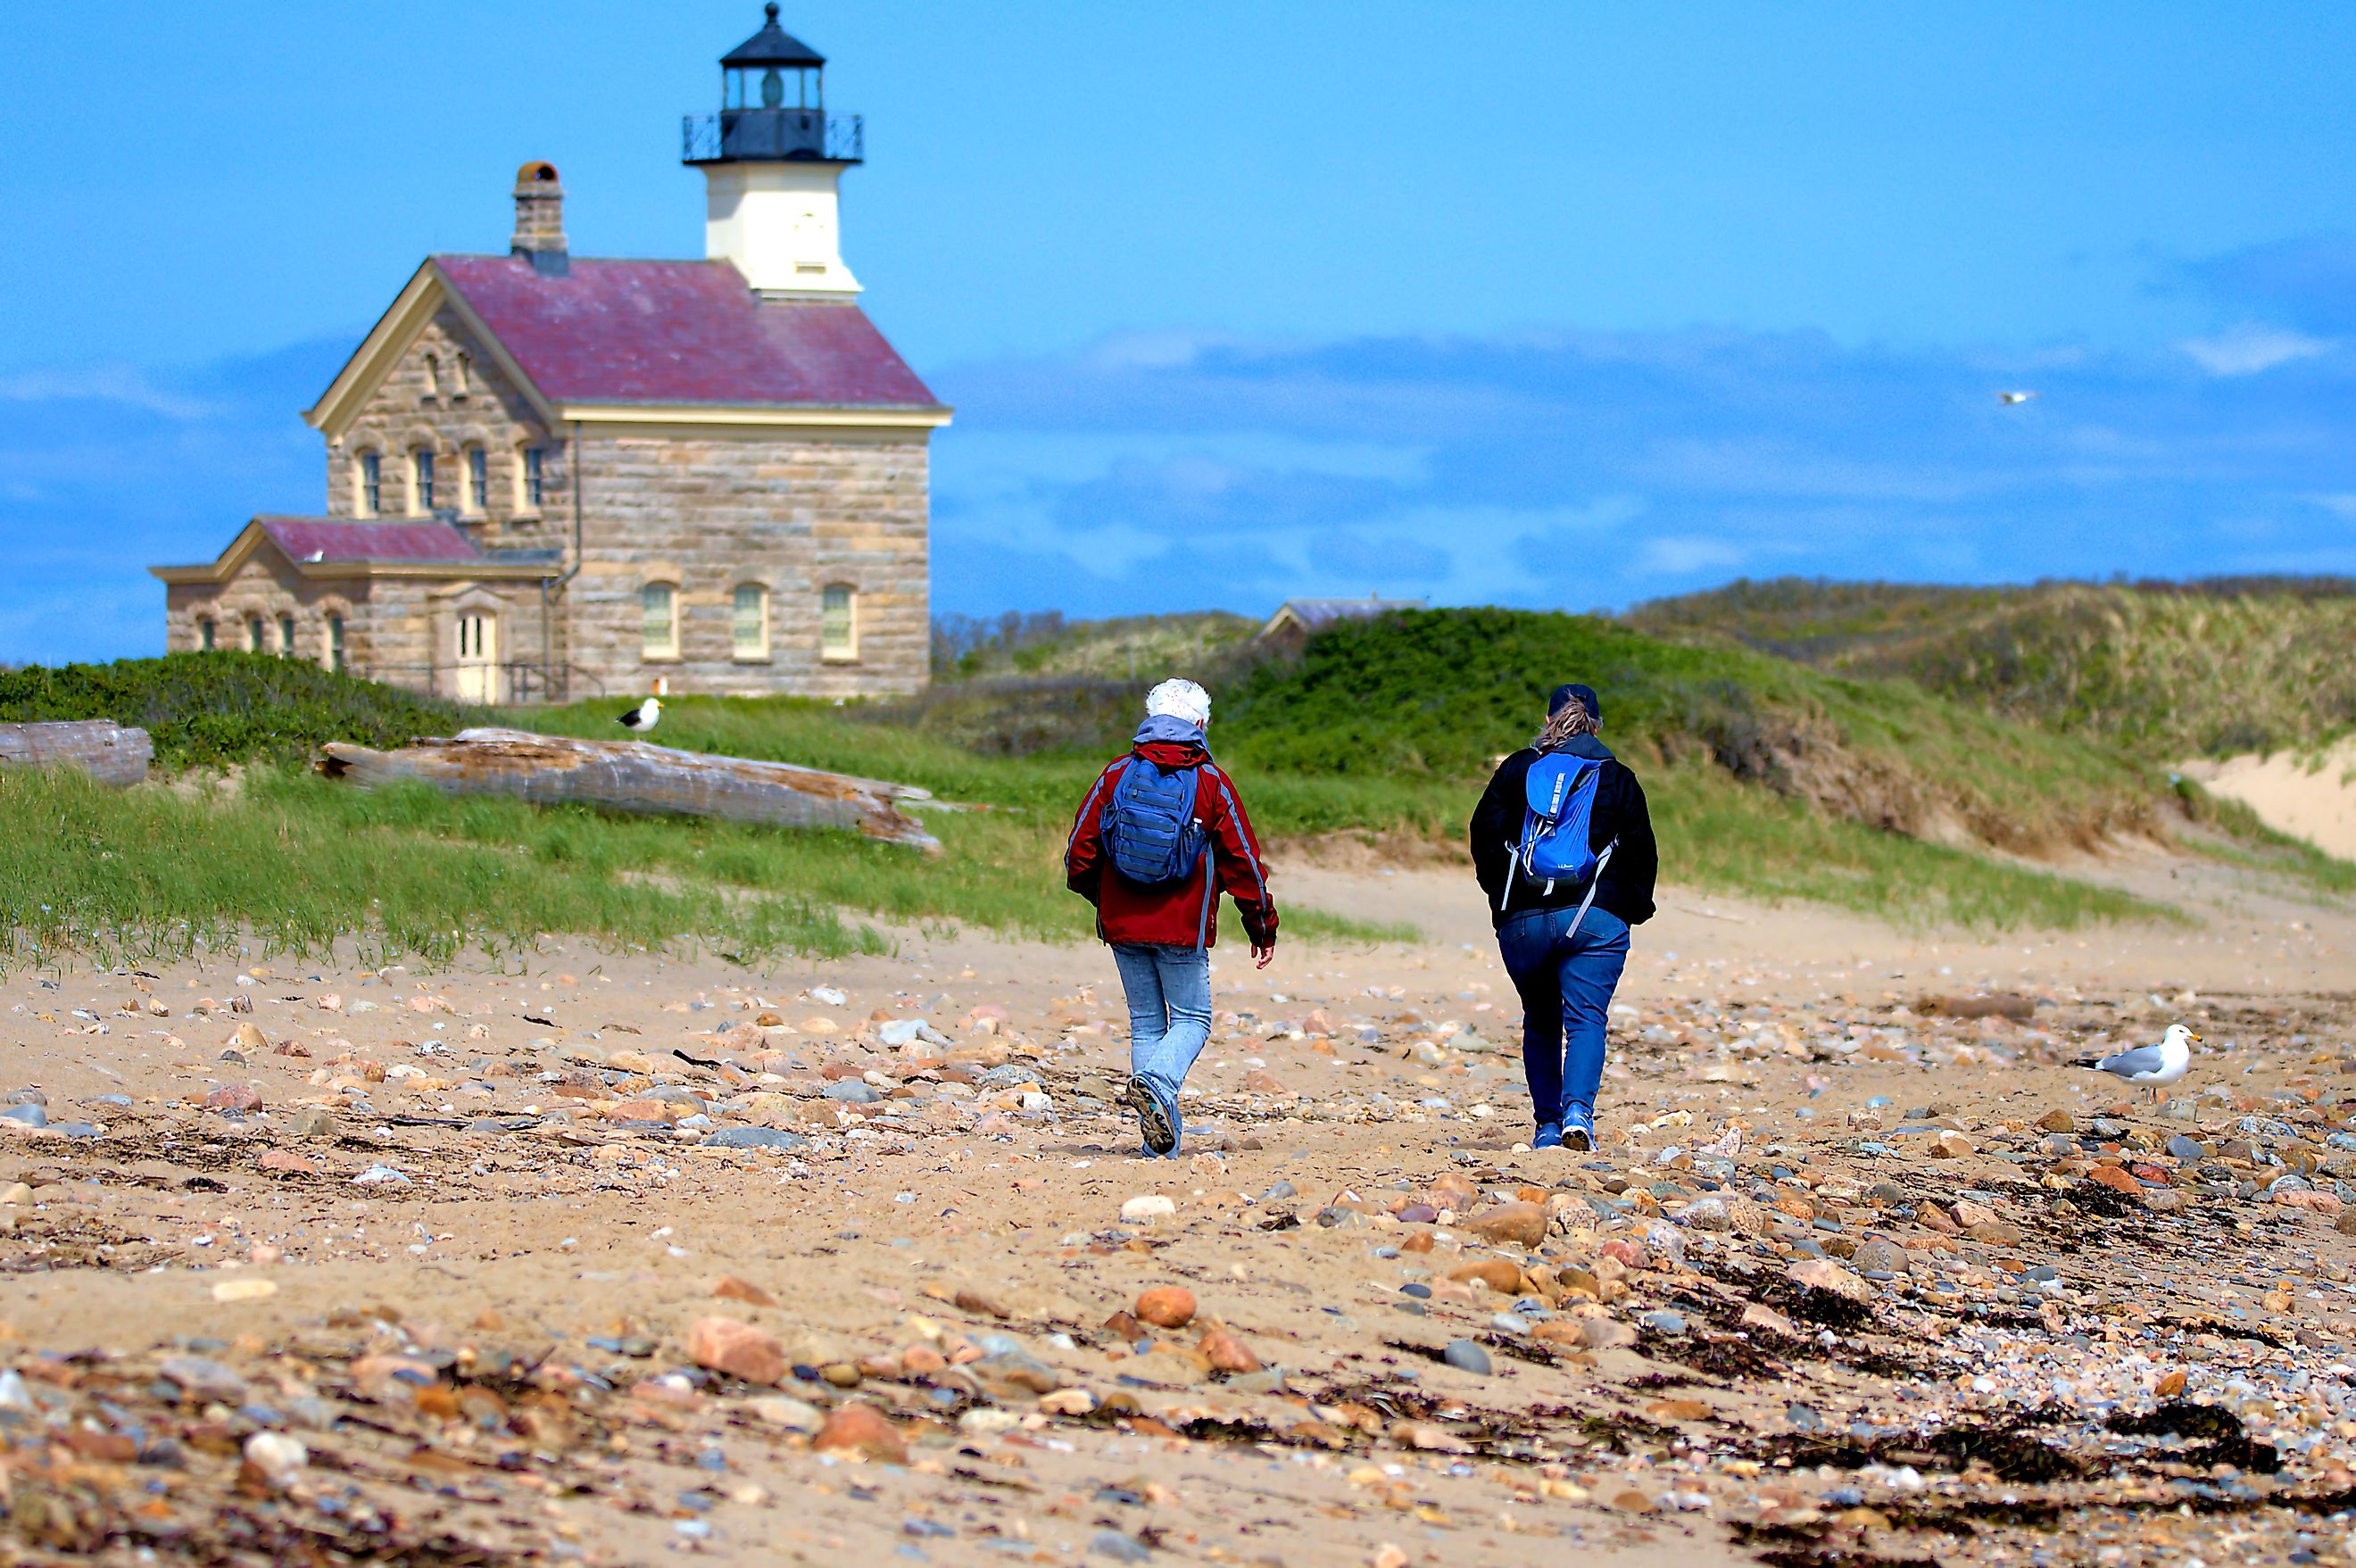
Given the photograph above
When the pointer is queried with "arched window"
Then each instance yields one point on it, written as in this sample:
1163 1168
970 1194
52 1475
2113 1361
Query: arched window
206 634
749 621
286 636
658 605
256 639
369 479
421 482
462 376
838 622
335 643
433 378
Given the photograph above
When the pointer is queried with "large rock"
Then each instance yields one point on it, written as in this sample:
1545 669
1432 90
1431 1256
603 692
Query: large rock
1517 1224
736 1349
1823 1274
860 1428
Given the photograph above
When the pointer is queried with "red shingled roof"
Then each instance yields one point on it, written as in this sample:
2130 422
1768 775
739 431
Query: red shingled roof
680 332
301 537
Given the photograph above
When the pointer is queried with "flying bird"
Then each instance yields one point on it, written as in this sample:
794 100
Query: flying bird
2151 1065
2008 399
640 719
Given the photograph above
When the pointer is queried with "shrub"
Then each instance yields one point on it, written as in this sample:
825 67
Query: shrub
213 709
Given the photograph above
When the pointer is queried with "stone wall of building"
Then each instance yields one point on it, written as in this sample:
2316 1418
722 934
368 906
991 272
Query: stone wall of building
447 396
709 508
401 629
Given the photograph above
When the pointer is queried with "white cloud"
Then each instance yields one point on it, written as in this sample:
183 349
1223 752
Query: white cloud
102 384
2246 349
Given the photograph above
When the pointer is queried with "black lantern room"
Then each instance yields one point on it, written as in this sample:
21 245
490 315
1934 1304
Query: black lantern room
773 107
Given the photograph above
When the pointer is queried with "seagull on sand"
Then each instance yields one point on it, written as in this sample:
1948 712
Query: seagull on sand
640 719
2151 1065
2008 399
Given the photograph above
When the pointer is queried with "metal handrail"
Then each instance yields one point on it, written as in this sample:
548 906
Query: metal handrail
790 135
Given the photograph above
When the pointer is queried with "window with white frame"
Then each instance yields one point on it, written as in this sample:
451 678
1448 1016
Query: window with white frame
658 608
421 482
749 621
335 643
532 478
838 622
286 636
372 486
479 481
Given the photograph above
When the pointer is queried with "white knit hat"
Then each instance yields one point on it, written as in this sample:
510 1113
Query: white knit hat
1179 700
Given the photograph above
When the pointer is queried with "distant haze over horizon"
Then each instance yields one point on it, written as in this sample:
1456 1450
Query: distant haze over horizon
1563 308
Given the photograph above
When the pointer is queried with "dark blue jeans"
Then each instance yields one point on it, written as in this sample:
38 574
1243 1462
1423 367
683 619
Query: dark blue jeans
1566 985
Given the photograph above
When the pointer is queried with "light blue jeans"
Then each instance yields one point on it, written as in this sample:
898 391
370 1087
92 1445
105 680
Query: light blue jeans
1566 981
1169 991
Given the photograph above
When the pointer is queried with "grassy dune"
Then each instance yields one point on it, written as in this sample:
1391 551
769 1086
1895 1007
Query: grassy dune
2167 670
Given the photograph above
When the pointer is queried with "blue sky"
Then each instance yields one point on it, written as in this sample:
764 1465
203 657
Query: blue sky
1552 304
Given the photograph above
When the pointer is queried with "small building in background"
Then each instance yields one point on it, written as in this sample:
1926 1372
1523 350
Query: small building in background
551 477
1297 620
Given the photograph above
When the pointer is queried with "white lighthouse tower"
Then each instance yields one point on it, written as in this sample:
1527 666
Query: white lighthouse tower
772 161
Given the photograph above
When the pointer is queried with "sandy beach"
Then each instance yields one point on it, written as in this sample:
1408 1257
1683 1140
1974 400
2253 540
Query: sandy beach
318 1258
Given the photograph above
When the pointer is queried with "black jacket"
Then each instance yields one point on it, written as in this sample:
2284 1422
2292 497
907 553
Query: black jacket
1626 888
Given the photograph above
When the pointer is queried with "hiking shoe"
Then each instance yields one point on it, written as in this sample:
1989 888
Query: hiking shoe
1548 1136
1579 1130
1153 1117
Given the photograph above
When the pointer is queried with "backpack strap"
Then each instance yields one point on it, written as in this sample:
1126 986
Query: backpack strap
1210 894
1594 883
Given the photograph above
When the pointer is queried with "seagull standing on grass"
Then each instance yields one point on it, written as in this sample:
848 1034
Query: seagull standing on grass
2151 1065
640 719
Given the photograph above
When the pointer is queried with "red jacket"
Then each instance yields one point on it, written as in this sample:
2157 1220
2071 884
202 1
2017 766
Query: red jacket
1169 916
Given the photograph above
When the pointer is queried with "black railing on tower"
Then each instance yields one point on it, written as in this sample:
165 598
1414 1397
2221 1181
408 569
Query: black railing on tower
790 135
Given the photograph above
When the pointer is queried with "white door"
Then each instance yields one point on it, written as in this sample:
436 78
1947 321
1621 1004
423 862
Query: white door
478 657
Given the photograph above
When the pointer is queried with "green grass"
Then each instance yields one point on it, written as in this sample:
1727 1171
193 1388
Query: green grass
292 864
2250 843
2166 669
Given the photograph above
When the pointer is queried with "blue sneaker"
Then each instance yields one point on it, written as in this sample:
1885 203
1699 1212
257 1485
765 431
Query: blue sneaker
1154 1122
1579 1130
1548 1136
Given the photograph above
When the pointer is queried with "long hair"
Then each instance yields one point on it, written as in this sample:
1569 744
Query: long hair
1566 724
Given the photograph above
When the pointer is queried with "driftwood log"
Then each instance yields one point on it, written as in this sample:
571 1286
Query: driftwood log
634 776
101 748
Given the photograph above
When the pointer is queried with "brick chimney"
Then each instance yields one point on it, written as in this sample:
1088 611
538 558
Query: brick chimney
540 219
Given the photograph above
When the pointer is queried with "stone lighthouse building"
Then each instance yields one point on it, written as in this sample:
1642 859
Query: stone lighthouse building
552 477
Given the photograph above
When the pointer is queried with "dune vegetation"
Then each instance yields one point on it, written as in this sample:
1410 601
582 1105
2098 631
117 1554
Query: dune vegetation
1767 778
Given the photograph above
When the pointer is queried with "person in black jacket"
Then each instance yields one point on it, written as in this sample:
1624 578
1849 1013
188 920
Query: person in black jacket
1565 965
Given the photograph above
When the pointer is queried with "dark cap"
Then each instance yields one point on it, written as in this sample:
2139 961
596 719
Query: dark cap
1569 689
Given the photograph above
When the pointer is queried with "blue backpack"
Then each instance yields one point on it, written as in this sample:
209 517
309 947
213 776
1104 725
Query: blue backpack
1150 829
1556 829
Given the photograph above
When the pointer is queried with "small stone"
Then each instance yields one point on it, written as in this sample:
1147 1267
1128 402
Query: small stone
791 1414
1760 1315
17 1196
2172 1385
1705 1214
1495 1272
2118 1179
1166 1307
1823 1274
736 1349
1466 1357
249 1038
1521 1224
860 1428
244 1290
315 1121
275 1458
757 1138
2164 1200
1227 1353
731 1288
203 1379
1120 1547
1147 1206
1664 1321
1880 1254
852 1092
285 1162
1951 1146
1967 1214
2180 1147
2058 1121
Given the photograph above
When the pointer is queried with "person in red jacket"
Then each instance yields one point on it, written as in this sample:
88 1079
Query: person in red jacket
1162 932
